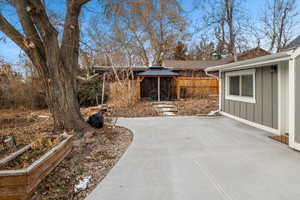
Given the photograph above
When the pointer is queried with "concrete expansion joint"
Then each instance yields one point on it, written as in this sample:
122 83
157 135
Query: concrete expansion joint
218 187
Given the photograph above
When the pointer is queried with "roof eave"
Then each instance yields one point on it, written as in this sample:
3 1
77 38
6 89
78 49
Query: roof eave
259 61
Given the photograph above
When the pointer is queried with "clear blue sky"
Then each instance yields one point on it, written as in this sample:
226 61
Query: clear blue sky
10 51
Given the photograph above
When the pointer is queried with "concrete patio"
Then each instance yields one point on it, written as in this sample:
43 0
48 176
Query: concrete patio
198 158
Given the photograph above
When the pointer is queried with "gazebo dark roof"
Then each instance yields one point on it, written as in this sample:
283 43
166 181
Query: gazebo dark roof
157 71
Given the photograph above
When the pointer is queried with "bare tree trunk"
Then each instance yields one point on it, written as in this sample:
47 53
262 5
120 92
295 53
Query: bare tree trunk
63 103
229 5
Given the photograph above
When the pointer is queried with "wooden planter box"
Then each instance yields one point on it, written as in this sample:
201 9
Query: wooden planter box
18 184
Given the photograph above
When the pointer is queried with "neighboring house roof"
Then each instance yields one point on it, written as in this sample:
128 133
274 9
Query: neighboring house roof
293 44
193 64
203 64
121 67
259 61
157 71
252 53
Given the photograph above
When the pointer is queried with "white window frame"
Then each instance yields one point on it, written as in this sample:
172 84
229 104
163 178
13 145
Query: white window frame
239 97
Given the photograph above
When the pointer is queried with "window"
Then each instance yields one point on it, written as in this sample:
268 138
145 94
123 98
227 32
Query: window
240 86
234 88
247 85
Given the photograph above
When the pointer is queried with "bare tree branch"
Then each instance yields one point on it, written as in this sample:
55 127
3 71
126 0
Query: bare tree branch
12 33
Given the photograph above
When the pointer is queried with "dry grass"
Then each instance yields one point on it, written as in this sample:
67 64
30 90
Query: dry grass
197 106
18 94
137 109
24 127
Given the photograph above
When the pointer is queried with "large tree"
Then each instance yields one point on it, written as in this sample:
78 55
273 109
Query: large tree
55 58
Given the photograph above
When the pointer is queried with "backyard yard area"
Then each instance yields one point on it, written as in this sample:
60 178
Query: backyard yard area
149 100
92 156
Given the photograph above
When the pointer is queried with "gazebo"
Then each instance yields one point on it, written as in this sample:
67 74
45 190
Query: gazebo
157 83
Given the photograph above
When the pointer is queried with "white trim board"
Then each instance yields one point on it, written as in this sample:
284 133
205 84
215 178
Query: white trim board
296 146
292 103
265 128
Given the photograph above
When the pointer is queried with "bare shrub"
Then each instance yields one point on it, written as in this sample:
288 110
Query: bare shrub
18 93
122 94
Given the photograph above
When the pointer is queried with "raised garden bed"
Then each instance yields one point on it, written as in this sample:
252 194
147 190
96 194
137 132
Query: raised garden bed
19 121
17 184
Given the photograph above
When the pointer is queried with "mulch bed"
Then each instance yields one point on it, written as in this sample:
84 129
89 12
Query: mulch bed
23 128
91 157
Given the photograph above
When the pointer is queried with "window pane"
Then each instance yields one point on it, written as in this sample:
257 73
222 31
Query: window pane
247 85
234 85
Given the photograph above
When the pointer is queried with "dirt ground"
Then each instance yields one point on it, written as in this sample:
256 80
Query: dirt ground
91 157
197 106
137 109
185 107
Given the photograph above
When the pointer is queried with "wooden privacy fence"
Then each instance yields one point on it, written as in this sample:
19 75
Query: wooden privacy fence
196 87
186 87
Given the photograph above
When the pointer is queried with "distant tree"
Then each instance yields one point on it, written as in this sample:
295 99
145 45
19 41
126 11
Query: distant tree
279 19
153 26
180 51
204 50
227 20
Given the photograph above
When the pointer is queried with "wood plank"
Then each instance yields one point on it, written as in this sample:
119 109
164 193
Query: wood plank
14 155
34 181
13 180
199 85
19 187
39 172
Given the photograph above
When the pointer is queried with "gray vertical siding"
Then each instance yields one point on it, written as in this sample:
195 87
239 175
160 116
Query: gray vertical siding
297 100
265 110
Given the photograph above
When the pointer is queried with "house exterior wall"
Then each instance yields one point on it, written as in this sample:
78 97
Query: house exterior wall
265 110
297 99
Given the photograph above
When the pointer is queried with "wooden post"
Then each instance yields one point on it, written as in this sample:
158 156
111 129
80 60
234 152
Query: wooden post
103 87
177 89
158 88
138 87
